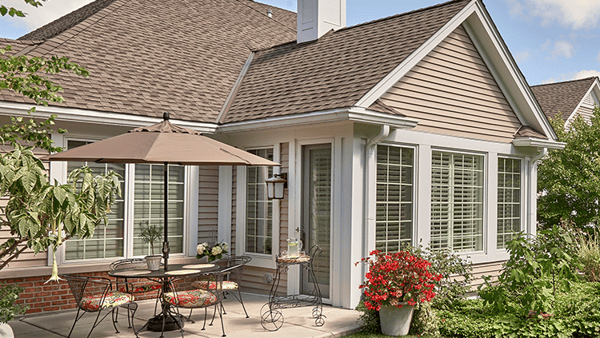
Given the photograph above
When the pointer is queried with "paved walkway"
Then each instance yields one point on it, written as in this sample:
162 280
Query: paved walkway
297 323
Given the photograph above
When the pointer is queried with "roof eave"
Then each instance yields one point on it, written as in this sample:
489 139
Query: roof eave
537 143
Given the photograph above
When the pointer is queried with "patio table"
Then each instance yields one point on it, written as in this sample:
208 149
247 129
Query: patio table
173 321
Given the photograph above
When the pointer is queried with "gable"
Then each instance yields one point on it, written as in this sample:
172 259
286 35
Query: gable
452 92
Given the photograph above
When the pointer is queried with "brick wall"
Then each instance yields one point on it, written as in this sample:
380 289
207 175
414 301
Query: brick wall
52 296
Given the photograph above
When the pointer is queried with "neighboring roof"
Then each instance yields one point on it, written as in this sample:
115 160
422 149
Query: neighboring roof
280 15
336 70
562 97
526 131
147 57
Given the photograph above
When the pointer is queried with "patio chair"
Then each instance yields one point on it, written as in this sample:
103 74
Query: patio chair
235 265
95 294
202 297
133 263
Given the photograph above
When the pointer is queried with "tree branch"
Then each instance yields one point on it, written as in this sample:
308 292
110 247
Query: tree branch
20 251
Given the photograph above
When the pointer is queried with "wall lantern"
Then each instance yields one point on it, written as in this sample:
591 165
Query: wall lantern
275 186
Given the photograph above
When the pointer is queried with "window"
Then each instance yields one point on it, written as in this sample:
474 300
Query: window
457 201
394 223
509 199
146 189
259 210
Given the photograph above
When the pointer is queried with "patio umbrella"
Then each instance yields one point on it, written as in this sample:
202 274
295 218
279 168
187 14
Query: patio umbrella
162 143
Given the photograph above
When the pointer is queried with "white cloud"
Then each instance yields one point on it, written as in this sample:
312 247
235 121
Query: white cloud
562 48
522 56
576 14
546 44
585 73
48 12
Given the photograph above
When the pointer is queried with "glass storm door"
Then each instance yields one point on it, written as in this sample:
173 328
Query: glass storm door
316 214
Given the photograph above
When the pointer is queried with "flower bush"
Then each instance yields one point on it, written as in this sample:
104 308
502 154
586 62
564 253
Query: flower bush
395 278
213 252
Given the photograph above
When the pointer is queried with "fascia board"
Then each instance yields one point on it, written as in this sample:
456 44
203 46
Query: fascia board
538 143
482 28
573 114
356 114
395 75
96 117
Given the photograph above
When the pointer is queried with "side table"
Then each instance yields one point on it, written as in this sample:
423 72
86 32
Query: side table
271 316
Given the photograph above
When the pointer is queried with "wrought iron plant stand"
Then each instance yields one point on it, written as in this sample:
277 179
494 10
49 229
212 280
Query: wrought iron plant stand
271 315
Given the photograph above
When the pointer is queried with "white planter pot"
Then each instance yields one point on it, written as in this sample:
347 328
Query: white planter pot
396 321
153 262
6 331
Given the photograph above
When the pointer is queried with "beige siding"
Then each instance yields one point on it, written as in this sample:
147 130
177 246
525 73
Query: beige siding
208 204
27 258
589 99
492 270
452 92
233 209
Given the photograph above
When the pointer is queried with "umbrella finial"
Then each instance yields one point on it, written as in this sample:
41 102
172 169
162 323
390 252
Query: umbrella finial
166 116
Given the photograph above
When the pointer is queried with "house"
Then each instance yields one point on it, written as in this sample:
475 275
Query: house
569 98
415 128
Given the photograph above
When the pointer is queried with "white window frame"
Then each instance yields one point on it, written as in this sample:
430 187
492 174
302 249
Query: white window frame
127 193
415 216
258 260
523 194
486 189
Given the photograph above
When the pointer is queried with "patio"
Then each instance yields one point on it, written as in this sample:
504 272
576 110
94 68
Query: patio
298 323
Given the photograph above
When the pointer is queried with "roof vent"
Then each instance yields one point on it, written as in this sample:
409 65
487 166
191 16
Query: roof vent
270 13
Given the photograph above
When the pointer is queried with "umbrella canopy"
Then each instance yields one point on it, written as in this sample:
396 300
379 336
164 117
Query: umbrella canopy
162 143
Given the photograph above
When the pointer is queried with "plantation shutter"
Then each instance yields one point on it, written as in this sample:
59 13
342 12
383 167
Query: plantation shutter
394 222
457 201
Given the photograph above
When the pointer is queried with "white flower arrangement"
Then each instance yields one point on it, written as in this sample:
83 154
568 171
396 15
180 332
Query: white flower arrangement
213 252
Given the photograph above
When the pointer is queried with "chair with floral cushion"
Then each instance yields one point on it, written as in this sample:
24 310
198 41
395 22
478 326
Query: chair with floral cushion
197 298
96 294
235 265
134 263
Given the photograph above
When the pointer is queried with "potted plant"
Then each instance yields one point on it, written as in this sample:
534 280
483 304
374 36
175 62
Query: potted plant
8 310
212 251
396 282
151 233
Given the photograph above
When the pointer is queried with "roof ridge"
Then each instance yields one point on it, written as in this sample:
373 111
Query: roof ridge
563 82
254 9
369 22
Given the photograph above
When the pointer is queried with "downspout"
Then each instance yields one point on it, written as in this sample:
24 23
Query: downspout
369 217
532 192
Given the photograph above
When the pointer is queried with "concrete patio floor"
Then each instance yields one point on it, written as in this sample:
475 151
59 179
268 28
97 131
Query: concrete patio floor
297 323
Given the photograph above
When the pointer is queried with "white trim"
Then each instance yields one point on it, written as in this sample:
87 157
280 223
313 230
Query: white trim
97 117
234 89
490 243
572 116
407 64
356 114
224 203
192 186
538 143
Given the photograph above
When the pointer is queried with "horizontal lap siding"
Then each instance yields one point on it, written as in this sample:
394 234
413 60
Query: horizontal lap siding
452 92
492 270
27 259
208 204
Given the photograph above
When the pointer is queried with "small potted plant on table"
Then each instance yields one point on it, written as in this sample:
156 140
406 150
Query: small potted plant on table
396 282
150 234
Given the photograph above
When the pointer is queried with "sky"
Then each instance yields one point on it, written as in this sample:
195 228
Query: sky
551 40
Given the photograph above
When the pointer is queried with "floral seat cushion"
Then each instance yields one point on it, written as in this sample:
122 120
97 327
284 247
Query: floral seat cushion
142 288
112 299
191 298
227 285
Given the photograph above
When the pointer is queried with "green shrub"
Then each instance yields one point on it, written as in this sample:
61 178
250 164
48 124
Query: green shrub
589 256
369 319
8 296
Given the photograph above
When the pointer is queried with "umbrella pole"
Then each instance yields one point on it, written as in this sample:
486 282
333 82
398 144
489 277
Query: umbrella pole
166 217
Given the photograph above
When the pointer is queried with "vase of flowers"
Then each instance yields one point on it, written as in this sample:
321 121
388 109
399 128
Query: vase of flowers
212 251
395 283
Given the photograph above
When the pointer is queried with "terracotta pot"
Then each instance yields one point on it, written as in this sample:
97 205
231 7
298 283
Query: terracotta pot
153 262
396 321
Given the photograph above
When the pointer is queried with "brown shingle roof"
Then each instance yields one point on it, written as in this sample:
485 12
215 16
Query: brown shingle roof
336 70
561 96
525 131
146 57
280 15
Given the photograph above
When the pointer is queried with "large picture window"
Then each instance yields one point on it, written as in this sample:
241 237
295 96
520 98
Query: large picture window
394 223
457 201
146 189
259 210
509 199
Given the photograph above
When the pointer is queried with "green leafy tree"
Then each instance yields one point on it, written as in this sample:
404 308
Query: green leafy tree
569 178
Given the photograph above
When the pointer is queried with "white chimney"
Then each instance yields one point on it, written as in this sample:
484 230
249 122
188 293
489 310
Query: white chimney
317 17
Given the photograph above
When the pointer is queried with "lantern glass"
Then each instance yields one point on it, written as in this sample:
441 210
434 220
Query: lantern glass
275 186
